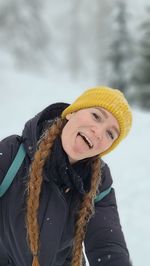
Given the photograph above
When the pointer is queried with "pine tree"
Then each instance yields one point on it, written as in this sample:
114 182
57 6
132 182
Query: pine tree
141 75
75 39
120 49
100 32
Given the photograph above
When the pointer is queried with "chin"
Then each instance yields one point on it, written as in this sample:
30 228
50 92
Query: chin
74 159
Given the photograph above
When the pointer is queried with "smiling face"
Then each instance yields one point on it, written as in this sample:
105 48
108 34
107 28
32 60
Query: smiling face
88 132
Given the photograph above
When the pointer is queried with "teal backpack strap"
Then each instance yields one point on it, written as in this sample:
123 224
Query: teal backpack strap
101 195
13 169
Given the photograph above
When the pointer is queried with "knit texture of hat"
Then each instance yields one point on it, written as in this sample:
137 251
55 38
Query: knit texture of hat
110 99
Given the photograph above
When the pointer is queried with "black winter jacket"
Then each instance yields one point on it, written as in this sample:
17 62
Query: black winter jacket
104 241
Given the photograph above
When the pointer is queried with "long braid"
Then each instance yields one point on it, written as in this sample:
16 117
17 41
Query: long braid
34 186
85 213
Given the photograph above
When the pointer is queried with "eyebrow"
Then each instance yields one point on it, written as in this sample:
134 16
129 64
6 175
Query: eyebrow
102 111
116 130
106 116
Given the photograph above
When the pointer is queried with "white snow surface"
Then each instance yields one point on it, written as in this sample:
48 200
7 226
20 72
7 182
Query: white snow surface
23 96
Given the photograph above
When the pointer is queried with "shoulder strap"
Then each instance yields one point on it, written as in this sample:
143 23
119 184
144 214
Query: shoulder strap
13 169
101 195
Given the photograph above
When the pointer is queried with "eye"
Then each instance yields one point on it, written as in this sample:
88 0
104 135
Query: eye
110 134
96 116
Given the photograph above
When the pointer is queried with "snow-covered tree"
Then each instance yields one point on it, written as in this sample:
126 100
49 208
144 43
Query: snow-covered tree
99 37
120 48
141 75
23 31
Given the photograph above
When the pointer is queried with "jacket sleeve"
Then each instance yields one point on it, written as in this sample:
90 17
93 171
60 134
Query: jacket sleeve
104 241
8 149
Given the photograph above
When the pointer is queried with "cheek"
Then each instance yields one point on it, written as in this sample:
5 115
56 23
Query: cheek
65 139
104 144
67 131
108 144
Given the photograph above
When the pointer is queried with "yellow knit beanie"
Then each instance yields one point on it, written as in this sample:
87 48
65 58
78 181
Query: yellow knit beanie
110 99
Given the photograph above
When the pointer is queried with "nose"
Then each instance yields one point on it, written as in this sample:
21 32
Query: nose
98 131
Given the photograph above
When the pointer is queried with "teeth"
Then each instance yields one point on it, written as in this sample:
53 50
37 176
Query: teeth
87 139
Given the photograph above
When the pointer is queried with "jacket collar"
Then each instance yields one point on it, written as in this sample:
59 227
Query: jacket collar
35 126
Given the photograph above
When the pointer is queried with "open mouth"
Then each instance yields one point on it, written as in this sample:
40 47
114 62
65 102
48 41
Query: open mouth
86 139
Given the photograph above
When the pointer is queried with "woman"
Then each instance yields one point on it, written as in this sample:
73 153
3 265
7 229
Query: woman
53 203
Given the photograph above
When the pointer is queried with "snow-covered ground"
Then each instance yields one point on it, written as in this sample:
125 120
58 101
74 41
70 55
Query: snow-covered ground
22 96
